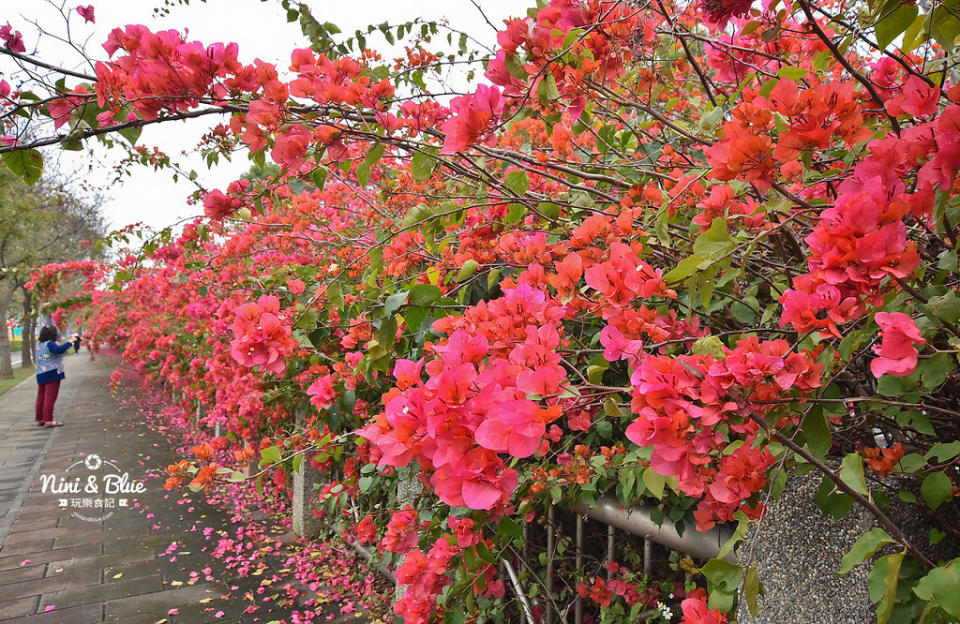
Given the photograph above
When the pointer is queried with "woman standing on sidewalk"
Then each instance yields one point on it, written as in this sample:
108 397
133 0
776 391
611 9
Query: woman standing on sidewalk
49 358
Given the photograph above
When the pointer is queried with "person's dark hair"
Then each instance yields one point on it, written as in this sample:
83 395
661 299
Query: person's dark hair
47 333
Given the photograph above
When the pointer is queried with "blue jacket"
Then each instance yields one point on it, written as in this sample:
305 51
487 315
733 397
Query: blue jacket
49 358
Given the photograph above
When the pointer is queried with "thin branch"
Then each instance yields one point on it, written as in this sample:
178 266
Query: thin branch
33 61
865 502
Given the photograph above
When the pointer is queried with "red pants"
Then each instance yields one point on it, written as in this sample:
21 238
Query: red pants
46 398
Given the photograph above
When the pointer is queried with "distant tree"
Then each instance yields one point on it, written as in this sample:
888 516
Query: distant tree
39 224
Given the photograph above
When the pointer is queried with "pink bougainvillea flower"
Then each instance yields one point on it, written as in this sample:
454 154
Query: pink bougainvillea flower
321 392
86 13
898 356
512 427
12 39
407 372
917 98
473 116
616 346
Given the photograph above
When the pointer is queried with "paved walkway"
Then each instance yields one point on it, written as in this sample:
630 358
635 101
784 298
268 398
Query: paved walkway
84 558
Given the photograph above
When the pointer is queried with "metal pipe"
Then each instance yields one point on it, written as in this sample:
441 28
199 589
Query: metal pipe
578 602
527 613
638 521
647 556
611 548
548 612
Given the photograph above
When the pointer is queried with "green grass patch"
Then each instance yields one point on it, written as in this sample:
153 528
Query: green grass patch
15 345
19 374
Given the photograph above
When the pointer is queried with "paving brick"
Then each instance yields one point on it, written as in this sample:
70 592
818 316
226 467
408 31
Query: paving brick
33 546
19 607
83 614
73 563
155 603
104 562
40 523
81 578
84 550
103 593
25 573
40 533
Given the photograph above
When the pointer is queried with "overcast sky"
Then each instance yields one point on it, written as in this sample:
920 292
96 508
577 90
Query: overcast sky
260 29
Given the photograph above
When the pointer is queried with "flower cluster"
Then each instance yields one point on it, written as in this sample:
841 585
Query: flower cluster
681 401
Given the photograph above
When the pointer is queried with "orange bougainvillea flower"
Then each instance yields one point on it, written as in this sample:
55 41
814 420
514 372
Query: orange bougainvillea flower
882 460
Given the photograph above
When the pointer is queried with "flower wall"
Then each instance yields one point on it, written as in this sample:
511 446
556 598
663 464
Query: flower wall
668 253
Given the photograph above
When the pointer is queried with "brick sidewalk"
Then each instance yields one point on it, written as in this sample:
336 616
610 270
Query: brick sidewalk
56 567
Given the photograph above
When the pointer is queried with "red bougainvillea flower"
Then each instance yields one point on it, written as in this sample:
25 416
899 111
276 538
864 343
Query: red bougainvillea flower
898 356
720 11
695 609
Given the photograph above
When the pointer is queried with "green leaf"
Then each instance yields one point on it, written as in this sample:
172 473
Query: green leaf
911 462
864 548
548 209
296 463
517 181
751 588
816 433
936 489
515 213
375 154
611 409
948 261
944 27
386 335
708 345
940 586
308 320
28 164
882 585
509 528
365 483
944 451
915 35
271 455
547 89
363 173
715 242
792 73
319 177
934 370
421 166
723 580
851 473
131 134
654 482
946 307
897 17
834 504
737 537
393 302
424 294
467 269
514 67
684 269
335 295
414 316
